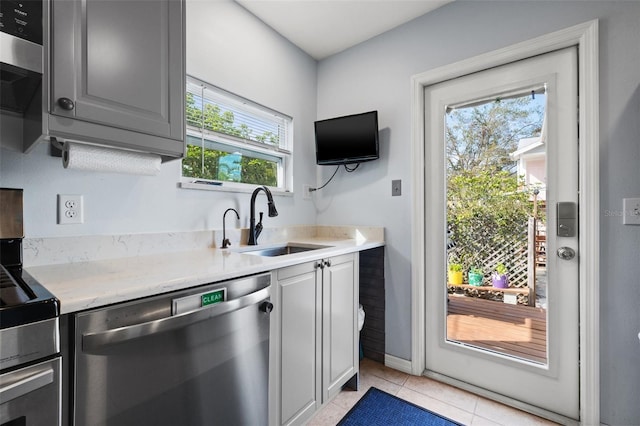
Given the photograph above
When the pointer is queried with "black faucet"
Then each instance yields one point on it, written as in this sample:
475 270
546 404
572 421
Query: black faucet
225 241
255 230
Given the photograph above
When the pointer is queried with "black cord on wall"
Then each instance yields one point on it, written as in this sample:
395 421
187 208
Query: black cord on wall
327 183
332 176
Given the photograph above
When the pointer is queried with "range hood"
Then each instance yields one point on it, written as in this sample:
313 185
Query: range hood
21 72
18 87
20 54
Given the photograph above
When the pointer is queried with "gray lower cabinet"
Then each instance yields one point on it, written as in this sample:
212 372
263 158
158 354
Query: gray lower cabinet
117 73
317 334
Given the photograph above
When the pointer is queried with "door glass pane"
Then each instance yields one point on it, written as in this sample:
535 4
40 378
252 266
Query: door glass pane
496 225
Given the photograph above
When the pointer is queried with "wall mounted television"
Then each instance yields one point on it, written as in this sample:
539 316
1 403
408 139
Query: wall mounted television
347 140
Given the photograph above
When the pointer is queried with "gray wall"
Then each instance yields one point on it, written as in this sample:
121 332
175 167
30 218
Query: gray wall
228 47
376 75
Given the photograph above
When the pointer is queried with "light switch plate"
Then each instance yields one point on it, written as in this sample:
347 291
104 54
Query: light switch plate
631 211
396 188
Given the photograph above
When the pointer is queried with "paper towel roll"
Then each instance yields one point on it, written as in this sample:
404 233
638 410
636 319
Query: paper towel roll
99 159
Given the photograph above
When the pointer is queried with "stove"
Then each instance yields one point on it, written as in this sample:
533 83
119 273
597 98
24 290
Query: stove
22 299
30 361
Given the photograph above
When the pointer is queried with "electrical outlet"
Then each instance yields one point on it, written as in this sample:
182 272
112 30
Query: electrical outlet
70 210
631 211
306 192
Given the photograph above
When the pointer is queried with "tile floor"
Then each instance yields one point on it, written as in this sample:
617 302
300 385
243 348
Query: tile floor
458 405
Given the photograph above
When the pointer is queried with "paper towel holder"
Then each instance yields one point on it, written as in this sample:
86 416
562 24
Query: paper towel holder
55 147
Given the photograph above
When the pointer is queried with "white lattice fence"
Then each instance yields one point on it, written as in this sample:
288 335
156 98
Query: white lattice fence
486 247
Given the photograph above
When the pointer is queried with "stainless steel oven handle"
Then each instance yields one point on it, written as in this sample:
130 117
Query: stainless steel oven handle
93 341
26 385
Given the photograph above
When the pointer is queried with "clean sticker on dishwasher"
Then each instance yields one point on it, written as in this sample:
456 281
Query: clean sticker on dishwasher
213 297
198 301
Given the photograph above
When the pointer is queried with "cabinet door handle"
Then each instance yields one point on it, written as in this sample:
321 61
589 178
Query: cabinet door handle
66 104
327 263
320 265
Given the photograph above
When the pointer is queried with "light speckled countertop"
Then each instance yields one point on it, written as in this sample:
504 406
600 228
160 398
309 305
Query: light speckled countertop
94 283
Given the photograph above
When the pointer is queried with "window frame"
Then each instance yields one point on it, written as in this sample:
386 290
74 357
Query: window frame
283 151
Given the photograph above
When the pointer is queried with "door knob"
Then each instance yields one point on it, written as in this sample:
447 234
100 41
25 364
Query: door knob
566 253
66 104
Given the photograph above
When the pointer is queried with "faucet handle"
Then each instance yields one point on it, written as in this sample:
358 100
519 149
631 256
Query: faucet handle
226 243
259 227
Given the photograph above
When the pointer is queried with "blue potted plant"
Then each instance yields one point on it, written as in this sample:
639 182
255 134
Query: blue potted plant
475 276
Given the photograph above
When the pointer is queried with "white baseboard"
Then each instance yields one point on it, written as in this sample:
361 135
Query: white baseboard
397 363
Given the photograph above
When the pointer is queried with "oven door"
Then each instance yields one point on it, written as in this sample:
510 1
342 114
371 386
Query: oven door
31 395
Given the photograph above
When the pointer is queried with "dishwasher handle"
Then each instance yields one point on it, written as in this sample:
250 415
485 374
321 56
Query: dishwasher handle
94 341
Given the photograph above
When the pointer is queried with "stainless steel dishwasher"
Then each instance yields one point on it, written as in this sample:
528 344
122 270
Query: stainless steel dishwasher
194 357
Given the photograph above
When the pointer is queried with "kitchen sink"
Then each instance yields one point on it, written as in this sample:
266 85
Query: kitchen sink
281 250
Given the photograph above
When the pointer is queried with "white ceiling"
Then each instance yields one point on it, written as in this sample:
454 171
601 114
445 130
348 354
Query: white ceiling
324 27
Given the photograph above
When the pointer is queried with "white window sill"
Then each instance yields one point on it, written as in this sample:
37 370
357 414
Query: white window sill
222 187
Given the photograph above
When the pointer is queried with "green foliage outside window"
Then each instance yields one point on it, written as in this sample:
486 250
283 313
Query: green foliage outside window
225 165
485 209
482 137
487 203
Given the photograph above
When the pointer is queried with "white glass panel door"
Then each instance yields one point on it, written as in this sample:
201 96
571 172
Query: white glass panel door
491 202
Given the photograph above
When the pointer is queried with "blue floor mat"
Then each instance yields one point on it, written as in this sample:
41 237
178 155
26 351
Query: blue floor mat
378 408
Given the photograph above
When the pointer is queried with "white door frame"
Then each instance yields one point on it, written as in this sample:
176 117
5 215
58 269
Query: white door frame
585 36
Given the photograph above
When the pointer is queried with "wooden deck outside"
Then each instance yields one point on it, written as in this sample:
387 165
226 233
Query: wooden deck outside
516 330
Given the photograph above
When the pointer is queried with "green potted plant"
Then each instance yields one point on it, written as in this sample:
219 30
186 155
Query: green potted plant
499 278
475 276
455 273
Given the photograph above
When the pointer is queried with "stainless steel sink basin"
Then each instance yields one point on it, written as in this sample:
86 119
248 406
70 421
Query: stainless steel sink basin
281 250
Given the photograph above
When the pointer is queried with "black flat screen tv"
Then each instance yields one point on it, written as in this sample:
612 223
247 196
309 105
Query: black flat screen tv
347 140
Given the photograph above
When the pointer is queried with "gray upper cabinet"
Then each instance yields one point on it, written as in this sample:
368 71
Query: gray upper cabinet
117 73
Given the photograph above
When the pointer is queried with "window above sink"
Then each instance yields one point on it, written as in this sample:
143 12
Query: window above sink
234 142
